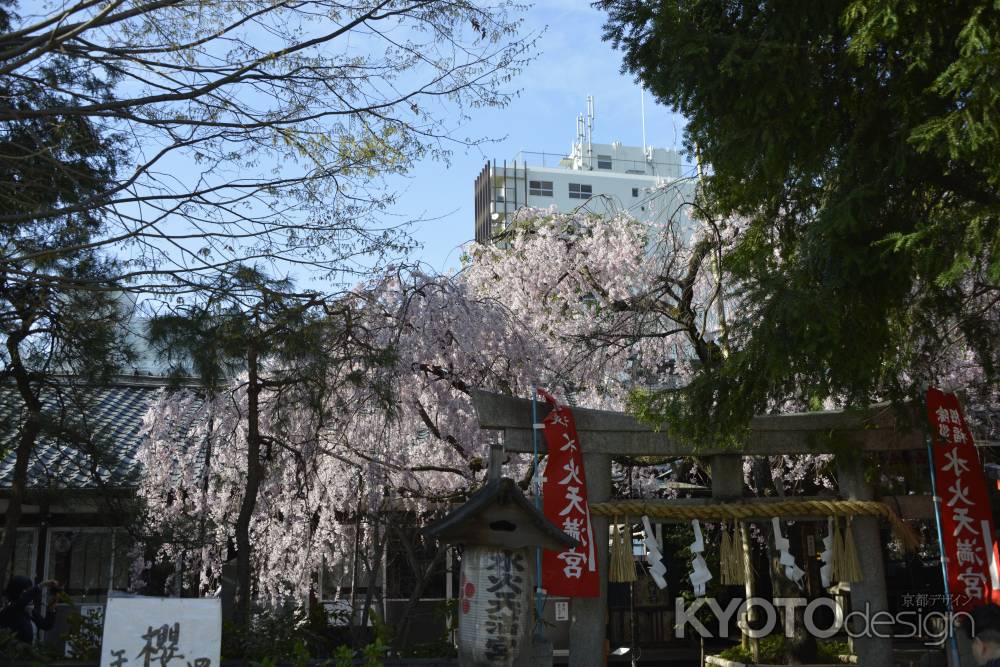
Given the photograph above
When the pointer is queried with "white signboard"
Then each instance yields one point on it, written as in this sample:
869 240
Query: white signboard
562 611
162 632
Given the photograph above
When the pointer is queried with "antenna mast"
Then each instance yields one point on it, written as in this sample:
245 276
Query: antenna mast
590 131
642 111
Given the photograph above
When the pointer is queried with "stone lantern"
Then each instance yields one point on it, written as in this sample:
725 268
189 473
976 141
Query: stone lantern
499 529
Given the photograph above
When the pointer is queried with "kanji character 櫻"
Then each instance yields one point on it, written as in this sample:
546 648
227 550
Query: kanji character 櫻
161 644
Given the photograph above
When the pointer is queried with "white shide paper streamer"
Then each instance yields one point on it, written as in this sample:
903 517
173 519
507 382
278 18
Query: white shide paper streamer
653 556
792 571
700 574
826 570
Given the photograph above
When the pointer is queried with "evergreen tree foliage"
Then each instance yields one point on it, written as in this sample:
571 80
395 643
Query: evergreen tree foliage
60 310
855 144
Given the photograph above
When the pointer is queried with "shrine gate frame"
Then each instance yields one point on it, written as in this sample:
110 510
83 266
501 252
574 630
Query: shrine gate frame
881 428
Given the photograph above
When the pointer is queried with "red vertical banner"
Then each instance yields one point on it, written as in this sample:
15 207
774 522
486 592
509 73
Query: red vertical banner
966 517
573 572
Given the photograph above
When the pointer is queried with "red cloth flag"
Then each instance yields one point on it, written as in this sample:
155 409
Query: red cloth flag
573 572
966 517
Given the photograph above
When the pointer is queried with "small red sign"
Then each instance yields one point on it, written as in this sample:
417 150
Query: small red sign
966 517
573 572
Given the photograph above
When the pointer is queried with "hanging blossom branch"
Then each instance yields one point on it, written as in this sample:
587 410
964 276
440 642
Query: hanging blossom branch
544 311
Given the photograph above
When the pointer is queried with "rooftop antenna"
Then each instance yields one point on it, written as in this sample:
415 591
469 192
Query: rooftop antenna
642 110
590 130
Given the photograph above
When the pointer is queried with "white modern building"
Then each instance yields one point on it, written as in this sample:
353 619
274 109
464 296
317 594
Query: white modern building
652 184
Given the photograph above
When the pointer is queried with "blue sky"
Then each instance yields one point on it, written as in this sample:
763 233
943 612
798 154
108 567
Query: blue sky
572 62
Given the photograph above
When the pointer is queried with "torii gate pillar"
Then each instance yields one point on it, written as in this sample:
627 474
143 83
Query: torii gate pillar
588 616
868 595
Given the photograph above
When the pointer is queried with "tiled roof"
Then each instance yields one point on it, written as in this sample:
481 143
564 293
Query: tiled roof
101 434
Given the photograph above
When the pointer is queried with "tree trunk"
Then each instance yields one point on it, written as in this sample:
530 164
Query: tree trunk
203 519
25 446
243 592
380 540
372 568
423 576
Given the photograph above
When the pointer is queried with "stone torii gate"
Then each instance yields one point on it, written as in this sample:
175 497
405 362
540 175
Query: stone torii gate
604 434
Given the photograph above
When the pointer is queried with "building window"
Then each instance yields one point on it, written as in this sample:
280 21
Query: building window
88 562
24 554
540 188
635 192
604 162
580 191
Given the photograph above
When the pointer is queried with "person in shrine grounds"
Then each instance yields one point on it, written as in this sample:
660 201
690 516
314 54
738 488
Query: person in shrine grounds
21 594
985 630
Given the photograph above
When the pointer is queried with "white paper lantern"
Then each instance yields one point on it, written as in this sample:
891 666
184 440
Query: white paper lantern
495 605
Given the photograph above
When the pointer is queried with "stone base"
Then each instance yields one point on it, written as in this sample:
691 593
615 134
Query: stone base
537 652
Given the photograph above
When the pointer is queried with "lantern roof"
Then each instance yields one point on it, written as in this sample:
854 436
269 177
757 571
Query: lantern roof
499 515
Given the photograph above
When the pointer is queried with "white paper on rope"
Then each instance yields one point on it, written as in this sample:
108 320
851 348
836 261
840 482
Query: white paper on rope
147 630
653 556
700 574
792 571
827 556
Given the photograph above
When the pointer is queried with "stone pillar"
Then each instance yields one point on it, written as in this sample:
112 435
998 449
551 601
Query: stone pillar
868 595
727 484
537 648
494 470
588 616
727 477
538 651
965 657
